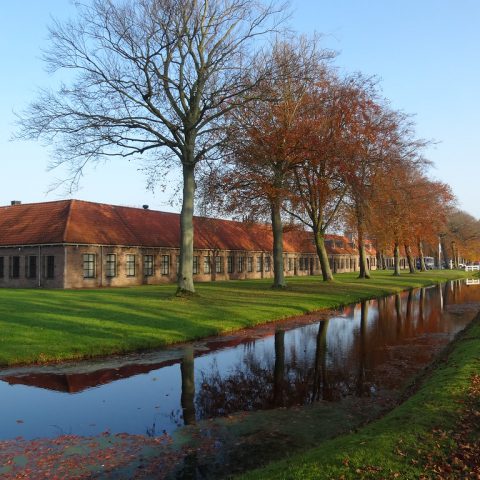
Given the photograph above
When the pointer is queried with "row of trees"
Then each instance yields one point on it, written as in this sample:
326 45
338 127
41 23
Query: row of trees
266 127
327 151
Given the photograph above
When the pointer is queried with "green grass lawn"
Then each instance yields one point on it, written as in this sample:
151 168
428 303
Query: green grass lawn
412 440
51 325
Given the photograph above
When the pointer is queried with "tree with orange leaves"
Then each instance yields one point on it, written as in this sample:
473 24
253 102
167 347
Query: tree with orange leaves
266 142
318 185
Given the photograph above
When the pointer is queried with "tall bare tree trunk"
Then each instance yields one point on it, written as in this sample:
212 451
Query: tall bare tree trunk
411 263
423 268
396 259
364 272
185 271
322 256
277 229
445 254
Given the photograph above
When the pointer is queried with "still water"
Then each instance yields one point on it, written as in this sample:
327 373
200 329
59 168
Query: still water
362 350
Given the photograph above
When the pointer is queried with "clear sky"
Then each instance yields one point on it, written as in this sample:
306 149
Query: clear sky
425 52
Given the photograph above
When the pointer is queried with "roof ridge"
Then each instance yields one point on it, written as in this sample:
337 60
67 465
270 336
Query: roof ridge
36 203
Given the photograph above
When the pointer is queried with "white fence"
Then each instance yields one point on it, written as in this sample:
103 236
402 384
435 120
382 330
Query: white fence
471 268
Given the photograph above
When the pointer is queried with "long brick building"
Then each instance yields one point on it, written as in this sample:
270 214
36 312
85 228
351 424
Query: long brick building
78 244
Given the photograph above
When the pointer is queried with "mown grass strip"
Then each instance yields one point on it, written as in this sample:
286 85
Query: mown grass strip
52 325
407 442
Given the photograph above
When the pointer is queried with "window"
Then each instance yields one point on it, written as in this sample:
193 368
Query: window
166 264
206 265
196 265
178 264
241 264
88 265
2 267
259 264
50 267
130 265
31 266
111 265
148 265
290 264
14 267
230 264
300 263
249 264
218 264
267 263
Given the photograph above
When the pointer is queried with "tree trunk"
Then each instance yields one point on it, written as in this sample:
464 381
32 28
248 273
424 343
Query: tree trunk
385 266
277 229
396 259
454 254
379 260
423 268
364 273
411 263
322 256
445 254
185 271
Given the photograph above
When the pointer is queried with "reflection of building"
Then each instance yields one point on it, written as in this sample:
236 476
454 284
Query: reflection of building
77 244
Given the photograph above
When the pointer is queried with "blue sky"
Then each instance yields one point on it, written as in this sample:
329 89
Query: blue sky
425 52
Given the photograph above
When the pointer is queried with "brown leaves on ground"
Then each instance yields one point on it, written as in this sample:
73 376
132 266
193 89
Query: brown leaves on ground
463 458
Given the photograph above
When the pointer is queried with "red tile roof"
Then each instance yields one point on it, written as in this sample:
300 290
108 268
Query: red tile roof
80 222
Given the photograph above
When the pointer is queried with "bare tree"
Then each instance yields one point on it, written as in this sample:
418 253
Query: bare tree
150 76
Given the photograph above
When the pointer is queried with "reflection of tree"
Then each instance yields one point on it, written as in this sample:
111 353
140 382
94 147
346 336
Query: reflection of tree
321 389
409 315
361 386
188 387
421 307
279 370
446 296
398 311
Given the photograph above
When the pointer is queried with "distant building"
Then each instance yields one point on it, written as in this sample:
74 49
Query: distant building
78 244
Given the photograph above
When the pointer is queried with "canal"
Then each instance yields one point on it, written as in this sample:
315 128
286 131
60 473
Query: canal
370 349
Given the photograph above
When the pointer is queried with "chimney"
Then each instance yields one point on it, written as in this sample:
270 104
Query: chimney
15 202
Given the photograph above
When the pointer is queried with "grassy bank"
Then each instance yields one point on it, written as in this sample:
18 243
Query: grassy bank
51 325
434 434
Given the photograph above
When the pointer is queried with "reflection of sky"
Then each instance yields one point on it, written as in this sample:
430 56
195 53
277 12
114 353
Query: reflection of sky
130 405
151 402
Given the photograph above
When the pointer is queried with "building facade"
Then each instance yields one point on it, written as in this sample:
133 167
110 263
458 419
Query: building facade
78 244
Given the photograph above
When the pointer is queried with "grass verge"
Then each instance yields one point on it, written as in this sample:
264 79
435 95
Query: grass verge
52 325
433 434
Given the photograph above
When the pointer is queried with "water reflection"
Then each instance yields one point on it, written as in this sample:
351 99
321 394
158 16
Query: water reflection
188 387
370 348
